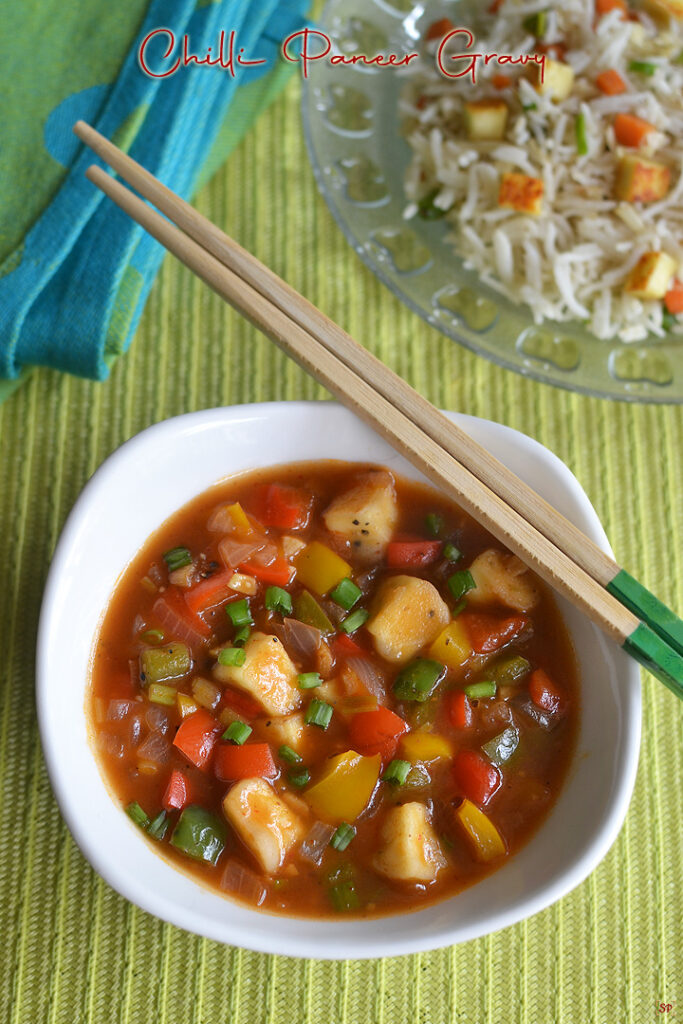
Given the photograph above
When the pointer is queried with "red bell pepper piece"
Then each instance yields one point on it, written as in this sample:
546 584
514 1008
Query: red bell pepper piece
209 592
544 693
278 573
376 732
488 633
412 552
475 777
240 702
459 709
344 645
196 737
279 505
177 794
249 761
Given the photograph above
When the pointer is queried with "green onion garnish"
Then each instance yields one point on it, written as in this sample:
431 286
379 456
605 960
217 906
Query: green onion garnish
342 837
487 688
300 778
459 607
134 811
460 582
239 613
241 636
289 755
237 733
319 713
581 135
418 680
354 621
309 680
536 24
159 826
642 67
451 553
397 772
668 320
426 208
176 558
346 594
278 600
344 897
434 524
152 636
232 656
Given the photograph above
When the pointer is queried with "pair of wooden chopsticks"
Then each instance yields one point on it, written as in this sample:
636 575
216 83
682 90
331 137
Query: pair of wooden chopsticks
518 517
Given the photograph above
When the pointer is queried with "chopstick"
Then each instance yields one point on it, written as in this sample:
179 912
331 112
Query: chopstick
467 473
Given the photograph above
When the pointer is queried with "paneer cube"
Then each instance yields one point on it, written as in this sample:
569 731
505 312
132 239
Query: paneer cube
521 192
651 276
641 181
366 515
408 613
553 78
664 8
410 850
504 579
267 674
267 826
486 119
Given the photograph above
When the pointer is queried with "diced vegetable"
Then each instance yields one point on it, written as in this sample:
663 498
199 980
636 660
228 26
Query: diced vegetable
365 515
177 793
408 553
544 692
307 610
157 664
309 680
285 731
320 568
318 713
631 130
205 693
376 732
238 733
434 524
425 746
278 600
485 119
250 761
452 647
239 613
231 518
299 778
451 553
186 706
502 578
232 656
482 834
603 7
240 702
199 834
610 82
196 737
178 621
264 822
509 671
159 826
397 772
346 594
243 883
409 850
288 508
344 897
651 277
176 558
289 755
501 82
475 777
438 29
279 572
673 300
418 680
580 130
209 593
459 710
160 694
427 208
342 836
345 786
137 814
354 621
408 614
152 636
501 748
536 24
489 633
267 674
558 79
481 691
641 181
521 192
643 67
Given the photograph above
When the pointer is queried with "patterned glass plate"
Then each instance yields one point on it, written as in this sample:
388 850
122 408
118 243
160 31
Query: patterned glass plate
351 121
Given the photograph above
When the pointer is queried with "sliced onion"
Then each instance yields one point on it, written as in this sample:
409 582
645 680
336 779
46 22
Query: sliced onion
316 842
174 626
109 744
220 520
495 714
299 638
266 554
134 730
242 882
157 719
156 575
155 749
118 709
536 714
234 552
369 675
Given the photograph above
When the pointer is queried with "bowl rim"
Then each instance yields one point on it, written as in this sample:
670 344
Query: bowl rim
342 945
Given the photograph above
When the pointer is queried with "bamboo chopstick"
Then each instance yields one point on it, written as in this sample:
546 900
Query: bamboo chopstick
391 407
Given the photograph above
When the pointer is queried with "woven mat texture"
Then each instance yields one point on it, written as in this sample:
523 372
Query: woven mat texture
75 951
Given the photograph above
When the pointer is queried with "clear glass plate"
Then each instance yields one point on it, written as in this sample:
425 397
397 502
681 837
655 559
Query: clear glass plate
351 122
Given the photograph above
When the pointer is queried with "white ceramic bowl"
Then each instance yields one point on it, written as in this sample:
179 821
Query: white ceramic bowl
137 488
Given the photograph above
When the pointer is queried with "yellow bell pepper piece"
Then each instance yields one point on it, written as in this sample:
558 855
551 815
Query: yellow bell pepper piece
319 568
186 706
345 786
425 746
451 647
484 837
240 521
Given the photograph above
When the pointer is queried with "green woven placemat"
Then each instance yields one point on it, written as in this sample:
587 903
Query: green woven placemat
73 950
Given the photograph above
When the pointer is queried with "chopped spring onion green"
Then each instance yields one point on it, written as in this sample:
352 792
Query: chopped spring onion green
199 834
134 811
237 733
509 671
434 524
346 594
354 621
344 897
176 558
668 320
426 208
241 636
460 583
397 772
278 600
530 106
451 553
501 748
319 713
581 135
307 610
152 636
159 826
678 59
289 755
239 613
536 24
300 778
642 67
232 656
418 680
459 607
342 837
160 694
168 662
487 688
309 680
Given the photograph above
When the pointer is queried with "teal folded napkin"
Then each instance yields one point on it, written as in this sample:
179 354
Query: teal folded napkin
75 271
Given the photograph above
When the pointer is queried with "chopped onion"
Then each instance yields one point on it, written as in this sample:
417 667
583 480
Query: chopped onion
540 717
316 842
157 719
300 638
266 554
240 881
134 730
235 552
220 520
176 627
118 709
369 675
155 749
495 714
109 744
